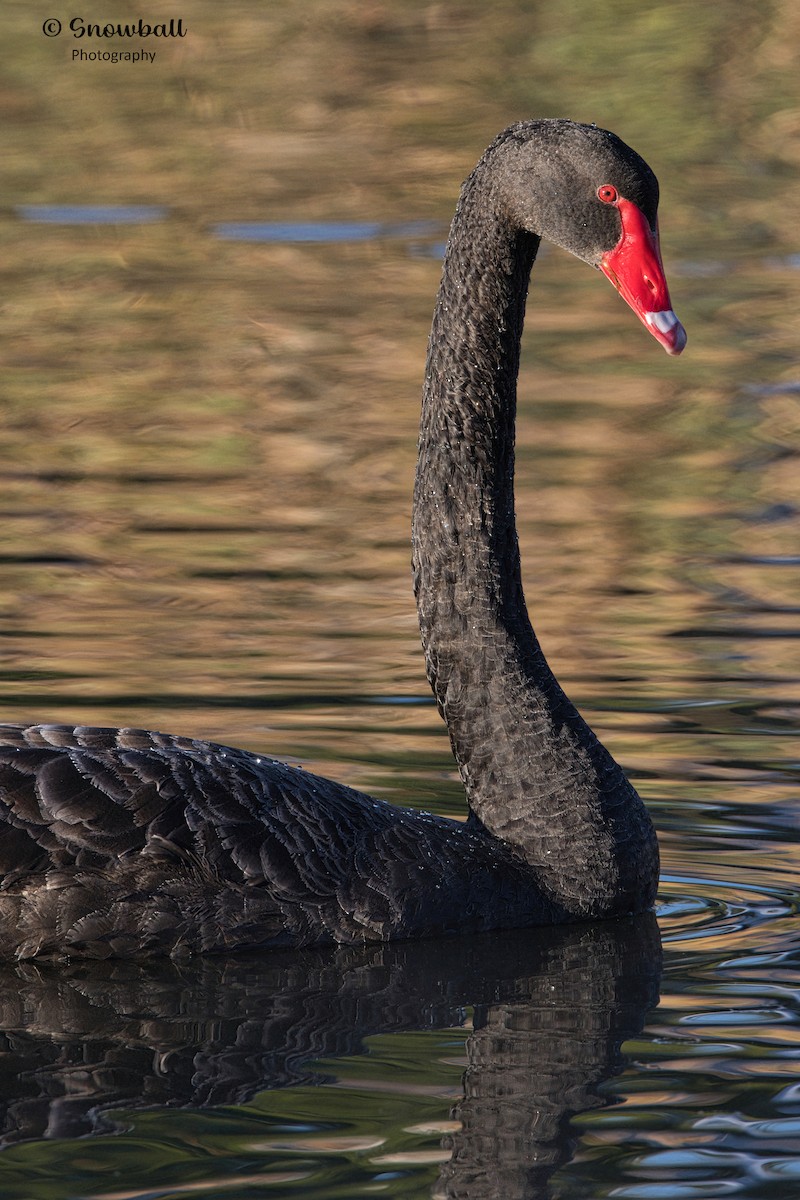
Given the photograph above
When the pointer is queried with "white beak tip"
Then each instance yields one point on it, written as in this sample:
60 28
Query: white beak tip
668 329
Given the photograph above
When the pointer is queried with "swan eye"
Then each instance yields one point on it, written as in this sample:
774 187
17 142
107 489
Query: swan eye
607 193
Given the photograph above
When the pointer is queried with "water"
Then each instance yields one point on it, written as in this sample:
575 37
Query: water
205 477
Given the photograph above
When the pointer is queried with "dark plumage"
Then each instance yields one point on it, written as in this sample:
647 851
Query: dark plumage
124 842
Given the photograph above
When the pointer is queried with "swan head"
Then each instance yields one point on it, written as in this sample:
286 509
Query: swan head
586 190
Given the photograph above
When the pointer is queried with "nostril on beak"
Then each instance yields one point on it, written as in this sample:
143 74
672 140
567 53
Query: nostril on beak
650 284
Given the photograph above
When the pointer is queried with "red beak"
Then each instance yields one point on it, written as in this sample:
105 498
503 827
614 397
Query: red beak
634 267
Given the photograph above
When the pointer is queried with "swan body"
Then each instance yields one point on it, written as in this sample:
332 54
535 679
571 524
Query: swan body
123 842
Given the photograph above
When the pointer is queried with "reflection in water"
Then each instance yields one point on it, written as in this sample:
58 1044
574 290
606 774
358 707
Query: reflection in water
324 231
91 214
550 1009
536 1059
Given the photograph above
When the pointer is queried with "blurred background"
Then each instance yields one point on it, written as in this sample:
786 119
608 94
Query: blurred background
218 270
208 429
208 441
208 444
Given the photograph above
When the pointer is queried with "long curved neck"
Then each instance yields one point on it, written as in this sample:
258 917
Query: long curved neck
534 772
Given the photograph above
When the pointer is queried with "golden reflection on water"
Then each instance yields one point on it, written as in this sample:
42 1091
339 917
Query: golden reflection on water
208 446
208 449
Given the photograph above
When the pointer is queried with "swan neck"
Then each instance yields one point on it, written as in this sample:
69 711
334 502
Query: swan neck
534 773
465 554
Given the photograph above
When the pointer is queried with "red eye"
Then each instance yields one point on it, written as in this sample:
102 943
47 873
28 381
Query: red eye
607 193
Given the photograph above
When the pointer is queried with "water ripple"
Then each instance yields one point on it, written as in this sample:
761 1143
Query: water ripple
718 909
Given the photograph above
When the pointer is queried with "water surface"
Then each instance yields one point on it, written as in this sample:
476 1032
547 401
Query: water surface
210 394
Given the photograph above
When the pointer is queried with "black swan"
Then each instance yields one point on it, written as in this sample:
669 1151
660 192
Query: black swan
122 842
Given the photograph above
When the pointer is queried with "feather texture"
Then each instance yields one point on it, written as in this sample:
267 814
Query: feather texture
126 842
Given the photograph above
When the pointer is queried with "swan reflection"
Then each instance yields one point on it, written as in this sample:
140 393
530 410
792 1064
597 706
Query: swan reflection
86 1043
